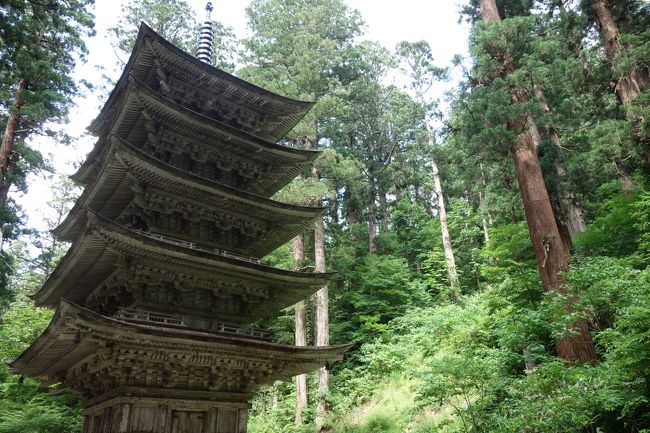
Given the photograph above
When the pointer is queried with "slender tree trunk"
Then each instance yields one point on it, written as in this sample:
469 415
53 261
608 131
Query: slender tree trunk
321 319
635 81
322 333
550 254
383 212
487 211
8 140
450 261
481 205
350 207
372 222
298 245
572 211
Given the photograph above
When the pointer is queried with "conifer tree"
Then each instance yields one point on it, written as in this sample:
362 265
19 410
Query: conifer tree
551 256
40 44
423 74
42 41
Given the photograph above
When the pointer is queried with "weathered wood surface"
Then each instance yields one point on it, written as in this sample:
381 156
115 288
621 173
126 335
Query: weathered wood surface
158 415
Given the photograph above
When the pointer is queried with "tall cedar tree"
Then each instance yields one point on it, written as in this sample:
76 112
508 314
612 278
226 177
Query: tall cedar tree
551 256
296 47
298 246
423 74
632 80
41 44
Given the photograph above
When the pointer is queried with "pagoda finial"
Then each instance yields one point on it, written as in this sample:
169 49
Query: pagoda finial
206 37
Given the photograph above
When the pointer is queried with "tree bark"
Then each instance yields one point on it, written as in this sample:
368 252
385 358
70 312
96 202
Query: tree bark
552 190
481 205
298 245
383 212
450 261
635 81
8 140
572 212
321 319
550 254
322 333
487 211
372 222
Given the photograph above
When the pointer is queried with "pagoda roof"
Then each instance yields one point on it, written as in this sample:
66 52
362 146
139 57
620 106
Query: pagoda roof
104 246
78 340
271 165
275 165
153 59
124 168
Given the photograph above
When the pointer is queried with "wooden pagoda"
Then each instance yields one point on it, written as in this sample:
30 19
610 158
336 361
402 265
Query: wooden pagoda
156 296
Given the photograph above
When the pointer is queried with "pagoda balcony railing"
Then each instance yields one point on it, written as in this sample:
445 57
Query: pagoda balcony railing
164 319
194 246
221 252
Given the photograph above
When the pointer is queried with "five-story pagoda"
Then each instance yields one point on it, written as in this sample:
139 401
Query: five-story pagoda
157 292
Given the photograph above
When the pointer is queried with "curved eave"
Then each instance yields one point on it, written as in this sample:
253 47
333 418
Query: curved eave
62 345
123 157
288 161
166 250
295 109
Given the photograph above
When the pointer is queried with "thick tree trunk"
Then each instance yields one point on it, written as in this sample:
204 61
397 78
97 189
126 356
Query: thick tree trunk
8 140
372 222
298 245
450 261
489 11
553 192
637 80
550 253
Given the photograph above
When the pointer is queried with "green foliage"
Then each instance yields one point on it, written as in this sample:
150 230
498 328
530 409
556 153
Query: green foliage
25 405
614 231
422 364
508 252
41 42
380 290
176 21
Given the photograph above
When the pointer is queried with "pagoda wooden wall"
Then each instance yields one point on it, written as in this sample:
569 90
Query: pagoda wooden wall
158 415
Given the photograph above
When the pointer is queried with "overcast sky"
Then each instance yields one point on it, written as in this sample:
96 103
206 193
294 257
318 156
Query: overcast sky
388 22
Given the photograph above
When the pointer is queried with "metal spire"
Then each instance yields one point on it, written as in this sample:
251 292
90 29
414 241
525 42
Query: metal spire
206 37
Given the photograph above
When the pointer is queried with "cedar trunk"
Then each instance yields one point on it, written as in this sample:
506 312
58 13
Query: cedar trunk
552 260
571 210
636 81
322 332
372 223
553 192
298 245
450 261
321 319
8 140
383 211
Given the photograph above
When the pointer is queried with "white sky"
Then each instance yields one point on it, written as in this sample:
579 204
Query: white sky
388 22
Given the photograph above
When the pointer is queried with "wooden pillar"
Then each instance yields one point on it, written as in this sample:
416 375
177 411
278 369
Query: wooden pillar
165 415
